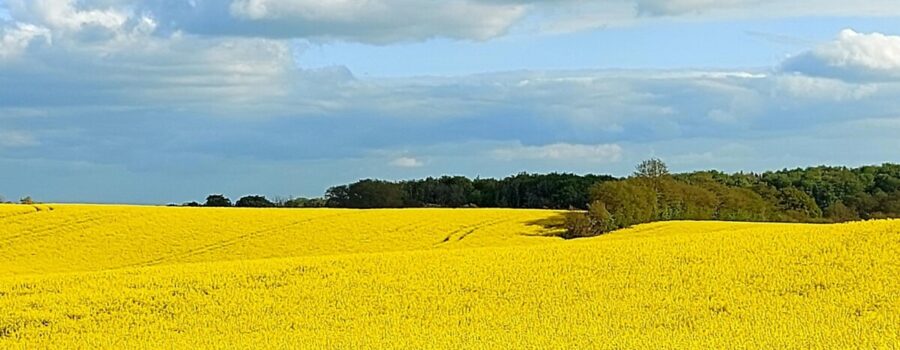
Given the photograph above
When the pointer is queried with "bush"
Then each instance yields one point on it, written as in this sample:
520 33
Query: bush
601 220
578 225
596 221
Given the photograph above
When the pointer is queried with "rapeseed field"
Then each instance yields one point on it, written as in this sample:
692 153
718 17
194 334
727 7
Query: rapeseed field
143 277
72 238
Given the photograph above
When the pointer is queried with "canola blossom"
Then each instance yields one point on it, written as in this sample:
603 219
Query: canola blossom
78 276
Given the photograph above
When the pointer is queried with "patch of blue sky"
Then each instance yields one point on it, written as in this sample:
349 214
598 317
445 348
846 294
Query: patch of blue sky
654 45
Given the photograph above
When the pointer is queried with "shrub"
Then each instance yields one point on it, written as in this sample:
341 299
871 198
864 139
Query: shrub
601 220
578 225
596 221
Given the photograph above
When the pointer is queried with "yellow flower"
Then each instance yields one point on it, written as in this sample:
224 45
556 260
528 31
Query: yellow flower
121 277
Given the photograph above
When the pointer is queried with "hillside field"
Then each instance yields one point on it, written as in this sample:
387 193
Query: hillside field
91 276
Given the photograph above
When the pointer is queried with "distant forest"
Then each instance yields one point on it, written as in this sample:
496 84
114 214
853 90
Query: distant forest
815 194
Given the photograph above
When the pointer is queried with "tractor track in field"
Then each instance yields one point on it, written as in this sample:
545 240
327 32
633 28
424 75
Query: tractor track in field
37 209
461 233
50 230
227 242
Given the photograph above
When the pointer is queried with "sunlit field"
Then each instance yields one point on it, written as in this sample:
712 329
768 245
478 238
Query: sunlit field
78 276
74 238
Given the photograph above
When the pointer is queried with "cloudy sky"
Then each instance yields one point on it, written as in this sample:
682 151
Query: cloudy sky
155 101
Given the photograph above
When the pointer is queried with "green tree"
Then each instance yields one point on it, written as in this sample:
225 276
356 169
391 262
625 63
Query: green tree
367 194
305 203
577 225
628 201
838 212
596 221
217 200
601 219
254 201
679 200
338 196
740 204
652 168
798 205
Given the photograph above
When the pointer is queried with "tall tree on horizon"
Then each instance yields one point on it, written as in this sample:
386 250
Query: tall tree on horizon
651 168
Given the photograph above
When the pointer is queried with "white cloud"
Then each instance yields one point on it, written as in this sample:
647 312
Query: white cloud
819 88
712 9
63 14
135 68
678 7
852 56
14 40
873 51
603 153
391 21
144 99
575 15
368 21
407 162
15 139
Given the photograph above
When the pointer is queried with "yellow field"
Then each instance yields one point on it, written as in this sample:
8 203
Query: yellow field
73 238
143 277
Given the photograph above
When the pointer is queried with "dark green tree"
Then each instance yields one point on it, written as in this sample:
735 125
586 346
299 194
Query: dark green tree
798 205
838 212
365 194
305 203
338 196
217 200
254 201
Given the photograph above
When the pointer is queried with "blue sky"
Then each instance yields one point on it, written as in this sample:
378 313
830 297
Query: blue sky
756 43
140 101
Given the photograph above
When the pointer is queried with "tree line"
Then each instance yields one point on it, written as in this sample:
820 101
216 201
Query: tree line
552 191
816 194
256 201
603 203
24 200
